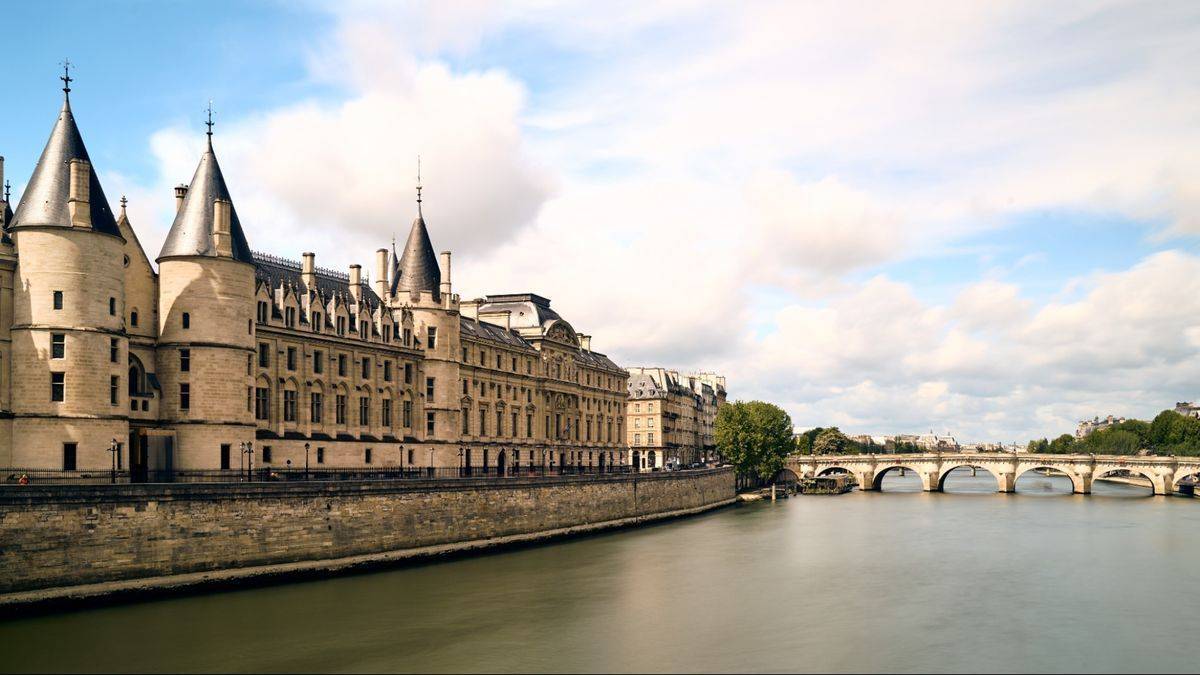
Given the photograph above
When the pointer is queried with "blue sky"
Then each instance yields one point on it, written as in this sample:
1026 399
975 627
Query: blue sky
875 220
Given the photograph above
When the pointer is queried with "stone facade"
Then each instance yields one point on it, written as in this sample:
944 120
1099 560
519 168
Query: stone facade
223 356
671 417
139 531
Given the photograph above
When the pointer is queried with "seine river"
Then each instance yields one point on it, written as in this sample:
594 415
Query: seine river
895 581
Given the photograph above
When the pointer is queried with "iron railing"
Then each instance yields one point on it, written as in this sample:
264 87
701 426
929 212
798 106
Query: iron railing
28 476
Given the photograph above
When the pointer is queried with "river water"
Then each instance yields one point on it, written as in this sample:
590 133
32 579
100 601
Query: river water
901 580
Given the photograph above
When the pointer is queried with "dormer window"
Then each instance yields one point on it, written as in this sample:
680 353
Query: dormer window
262 311
316 322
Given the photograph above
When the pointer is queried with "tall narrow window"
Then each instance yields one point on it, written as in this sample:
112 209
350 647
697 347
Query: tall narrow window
114 383
114 350
133 318
408 414
112 306
264 355
340 409
466 421
266 454
185 396
58 345
431 338
291 358
341 365
289 406
318 362
364 412
429 423
408 370
185 360
386 414
262 403
226 450
69 451
367 456
387 371
58 387
366 367
320 455
429 387
58 299
318 407
187 320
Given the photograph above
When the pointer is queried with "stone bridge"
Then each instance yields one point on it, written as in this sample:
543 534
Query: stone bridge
1164 473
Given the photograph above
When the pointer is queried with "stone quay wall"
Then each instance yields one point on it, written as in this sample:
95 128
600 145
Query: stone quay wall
58 538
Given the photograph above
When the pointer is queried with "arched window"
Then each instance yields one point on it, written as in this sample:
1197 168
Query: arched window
133 317
137 376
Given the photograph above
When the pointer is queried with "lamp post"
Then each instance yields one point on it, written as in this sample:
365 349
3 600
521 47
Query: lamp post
248 451
306 446
460 462
114 448
401 448
431 462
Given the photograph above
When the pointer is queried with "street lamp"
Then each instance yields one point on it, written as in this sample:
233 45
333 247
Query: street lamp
114 448
248 451
460 462
401 448
431 462
306 446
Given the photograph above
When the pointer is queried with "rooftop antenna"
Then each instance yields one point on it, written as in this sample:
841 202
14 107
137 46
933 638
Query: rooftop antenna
66 78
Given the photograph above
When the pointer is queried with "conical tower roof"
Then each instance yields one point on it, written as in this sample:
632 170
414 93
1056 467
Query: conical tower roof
192 232
44 201
418 269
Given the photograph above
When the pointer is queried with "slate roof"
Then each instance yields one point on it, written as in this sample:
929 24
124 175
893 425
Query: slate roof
418 267
482 330
44 201
275 272
192 232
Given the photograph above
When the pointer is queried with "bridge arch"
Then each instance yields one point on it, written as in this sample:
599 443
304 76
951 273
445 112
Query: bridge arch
967 465
1186 472
1077 485
877 481
1105 471
834 469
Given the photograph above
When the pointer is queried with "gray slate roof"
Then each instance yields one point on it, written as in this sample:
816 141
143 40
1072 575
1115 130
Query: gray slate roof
191 233
44 201
276 272
418 269
482 330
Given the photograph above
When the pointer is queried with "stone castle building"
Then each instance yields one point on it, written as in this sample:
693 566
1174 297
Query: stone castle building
224 356
671 416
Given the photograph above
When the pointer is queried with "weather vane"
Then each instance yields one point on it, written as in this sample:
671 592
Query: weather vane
66 77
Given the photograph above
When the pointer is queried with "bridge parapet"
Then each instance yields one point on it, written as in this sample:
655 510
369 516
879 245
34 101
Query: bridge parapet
932 468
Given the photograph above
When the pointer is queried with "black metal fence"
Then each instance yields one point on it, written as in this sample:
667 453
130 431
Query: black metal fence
23 476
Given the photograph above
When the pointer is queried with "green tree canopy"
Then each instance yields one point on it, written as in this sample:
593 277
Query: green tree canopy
754 436
831 441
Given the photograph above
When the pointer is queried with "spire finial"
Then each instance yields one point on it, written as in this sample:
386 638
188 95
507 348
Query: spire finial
209 123
7 190
66 78
418 184
124 201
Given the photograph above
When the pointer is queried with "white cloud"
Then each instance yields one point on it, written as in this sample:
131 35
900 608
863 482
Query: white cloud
707 184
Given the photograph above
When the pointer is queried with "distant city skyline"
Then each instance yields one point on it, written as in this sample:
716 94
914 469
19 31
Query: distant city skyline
984 223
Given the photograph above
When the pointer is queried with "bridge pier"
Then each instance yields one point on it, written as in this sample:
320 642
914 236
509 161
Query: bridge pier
1084 487
866 480
1008 482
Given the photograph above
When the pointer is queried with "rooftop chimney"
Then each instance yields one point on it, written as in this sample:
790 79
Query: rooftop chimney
79 194
381 264
356 282
222 238
585 341
180 193
308 272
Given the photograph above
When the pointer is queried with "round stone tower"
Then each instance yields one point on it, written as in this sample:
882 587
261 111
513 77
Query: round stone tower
69 348
206 325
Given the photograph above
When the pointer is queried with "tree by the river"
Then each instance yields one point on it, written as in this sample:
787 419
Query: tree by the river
1169 434
754 436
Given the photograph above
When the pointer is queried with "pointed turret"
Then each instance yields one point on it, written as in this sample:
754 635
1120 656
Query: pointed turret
64 178
418 267
207 224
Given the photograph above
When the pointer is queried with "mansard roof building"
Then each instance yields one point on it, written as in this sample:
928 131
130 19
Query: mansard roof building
223 356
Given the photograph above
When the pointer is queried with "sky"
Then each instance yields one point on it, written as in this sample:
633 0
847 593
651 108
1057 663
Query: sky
967 218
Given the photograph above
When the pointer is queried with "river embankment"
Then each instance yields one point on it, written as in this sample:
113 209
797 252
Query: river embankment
70 545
